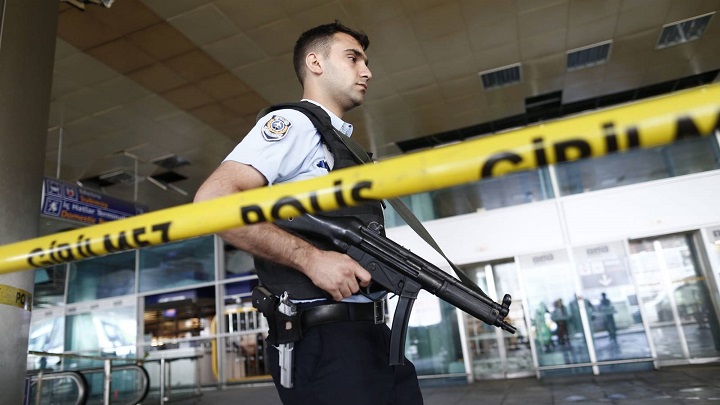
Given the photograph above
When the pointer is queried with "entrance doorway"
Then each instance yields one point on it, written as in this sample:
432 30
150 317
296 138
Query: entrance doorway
674 298
495 353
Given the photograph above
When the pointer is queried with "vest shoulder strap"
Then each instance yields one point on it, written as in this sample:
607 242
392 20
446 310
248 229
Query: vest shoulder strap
319 118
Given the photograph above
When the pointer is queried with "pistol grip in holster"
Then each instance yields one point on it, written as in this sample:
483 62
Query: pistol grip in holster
282 328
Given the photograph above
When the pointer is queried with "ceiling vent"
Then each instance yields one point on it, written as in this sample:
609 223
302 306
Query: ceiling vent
683 31
501 77
588 56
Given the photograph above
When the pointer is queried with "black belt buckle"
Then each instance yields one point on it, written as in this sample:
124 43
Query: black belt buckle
379 311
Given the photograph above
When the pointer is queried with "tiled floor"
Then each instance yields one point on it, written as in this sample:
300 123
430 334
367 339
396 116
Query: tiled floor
699 384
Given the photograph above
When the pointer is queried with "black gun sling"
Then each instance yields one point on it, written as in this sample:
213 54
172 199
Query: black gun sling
321 121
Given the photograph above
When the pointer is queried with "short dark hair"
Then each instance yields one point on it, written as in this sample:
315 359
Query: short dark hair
321 37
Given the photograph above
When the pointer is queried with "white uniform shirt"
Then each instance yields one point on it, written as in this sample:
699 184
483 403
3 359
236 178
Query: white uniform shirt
284 146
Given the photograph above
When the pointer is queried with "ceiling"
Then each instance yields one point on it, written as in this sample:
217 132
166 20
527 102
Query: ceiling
145 80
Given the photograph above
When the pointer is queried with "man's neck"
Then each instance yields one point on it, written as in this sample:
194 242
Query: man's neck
333 107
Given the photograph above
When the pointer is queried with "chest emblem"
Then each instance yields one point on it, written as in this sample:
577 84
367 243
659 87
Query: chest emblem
276 128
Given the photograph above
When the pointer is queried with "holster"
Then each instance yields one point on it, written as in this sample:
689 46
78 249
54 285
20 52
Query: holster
282 328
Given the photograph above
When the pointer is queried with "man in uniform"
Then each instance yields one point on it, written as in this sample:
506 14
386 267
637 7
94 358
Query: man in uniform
343 358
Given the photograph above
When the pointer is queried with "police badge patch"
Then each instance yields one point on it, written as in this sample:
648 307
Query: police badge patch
276 128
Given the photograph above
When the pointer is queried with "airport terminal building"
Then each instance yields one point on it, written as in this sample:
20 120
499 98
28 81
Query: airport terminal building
119 108
613 265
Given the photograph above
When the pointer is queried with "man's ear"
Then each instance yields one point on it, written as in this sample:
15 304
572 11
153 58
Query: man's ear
312 62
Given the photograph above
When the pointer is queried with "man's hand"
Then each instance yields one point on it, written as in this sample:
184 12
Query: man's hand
336 273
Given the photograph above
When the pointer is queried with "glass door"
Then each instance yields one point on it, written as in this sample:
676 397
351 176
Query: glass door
495 353
674 298
611 306
557 333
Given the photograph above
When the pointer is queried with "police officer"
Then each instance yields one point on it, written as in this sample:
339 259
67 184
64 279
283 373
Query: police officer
343 354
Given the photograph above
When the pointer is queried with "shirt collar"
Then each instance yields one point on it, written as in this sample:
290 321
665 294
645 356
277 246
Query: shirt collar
337 122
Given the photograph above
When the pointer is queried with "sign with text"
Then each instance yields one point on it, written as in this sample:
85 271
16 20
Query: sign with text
74 203
602 266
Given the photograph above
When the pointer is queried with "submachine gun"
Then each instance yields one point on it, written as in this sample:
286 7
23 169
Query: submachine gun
404 274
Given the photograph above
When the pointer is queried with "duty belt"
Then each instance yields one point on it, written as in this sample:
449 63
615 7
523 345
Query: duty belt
342 311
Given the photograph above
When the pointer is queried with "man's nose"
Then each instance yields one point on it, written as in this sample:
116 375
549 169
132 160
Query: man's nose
366 73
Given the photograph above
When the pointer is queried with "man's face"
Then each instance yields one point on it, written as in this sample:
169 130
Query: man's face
346 71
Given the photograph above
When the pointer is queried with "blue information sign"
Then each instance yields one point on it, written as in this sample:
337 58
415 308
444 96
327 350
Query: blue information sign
74 203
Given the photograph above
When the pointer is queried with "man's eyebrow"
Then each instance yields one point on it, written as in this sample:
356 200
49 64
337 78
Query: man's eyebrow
359 54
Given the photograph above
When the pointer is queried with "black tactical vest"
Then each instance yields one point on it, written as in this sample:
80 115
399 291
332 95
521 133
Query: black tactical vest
278 278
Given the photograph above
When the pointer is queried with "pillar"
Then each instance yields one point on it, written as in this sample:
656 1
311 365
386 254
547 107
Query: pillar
28 29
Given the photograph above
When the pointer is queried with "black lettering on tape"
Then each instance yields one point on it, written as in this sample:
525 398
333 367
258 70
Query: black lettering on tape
540 155
338 194
357 190
58 253
287 202
487 168
611 142
252 214
562 150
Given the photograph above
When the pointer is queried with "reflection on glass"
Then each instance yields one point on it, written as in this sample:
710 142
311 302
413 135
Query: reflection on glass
46 335
187 369
495 353
245 357
177 315
106 331
177 264
244 353
550 291
49 286
238 263
611 303
433 339
675 298
103 277
638 165
506 191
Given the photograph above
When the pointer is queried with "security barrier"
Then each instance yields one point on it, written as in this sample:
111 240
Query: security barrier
654 122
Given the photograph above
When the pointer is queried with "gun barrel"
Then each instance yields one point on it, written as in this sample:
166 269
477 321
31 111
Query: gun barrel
436 281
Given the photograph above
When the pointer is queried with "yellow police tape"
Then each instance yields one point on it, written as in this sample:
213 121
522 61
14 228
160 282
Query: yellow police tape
654 122
16 297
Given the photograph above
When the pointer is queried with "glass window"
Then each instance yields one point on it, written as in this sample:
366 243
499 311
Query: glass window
550 290
102 277
238 263
433 337
506 191
495 353
177 315
674 297
49 286
177 264
639 165
714 251
611 303
47 334
107 330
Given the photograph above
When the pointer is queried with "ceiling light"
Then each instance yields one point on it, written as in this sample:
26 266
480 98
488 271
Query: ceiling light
501 77
588 56
170 162
683 31
81 3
